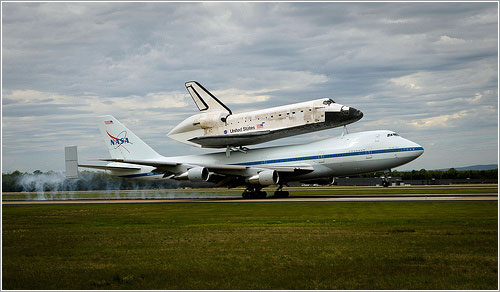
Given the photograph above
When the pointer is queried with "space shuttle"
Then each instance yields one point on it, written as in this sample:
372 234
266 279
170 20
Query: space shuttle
217 127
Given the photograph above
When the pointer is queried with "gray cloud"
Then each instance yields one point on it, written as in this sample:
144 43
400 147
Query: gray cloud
426 70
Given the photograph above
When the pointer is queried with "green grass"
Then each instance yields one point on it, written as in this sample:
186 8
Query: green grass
382 245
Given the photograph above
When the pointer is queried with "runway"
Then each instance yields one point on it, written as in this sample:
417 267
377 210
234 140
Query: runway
312 198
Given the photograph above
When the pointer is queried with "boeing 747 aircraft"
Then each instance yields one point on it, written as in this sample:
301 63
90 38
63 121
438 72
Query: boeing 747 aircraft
348 154
217 127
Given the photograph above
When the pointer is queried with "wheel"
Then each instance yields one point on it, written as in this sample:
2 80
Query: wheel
281 194
254 195
385 184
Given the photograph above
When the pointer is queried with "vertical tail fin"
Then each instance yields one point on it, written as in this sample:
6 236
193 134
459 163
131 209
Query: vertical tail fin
121 142
204 100
71 160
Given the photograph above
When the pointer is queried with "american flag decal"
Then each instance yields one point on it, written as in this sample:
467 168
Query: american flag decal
108 122
260 126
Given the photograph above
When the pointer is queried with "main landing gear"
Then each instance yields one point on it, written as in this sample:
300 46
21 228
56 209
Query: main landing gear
280 193
254 193
257 193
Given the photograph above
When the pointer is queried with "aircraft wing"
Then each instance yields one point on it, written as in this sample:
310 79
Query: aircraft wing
221 169
146 162
106 167
243 170
303 167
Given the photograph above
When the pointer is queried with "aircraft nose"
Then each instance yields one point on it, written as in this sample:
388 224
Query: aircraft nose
355 114
420 150
417 149
345 116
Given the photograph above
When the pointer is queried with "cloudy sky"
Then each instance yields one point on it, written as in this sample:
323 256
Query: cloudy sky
425 70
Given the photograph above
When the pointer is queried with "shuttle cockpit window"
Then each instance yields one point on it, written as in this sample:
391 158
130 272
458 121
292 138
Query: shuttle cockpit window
392 134
328 101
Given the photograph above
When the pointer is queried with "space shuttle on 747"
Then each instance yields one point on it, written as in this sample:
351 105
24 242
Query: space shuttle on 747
217 127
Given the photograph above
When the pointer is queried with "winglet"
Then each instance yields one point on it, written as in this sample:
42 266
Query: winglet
204 100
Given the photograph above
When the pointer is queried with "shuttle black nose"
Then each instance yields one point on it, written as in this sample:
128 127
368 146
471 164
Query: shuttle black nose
344 117
355 114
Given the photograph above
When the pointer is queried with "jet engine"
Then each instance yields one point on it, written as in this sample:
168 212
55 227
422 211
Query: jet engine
264 178
195 174
198 174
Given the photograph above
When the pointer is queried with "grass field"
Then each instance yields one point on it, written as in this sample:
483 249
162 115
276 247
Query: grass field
383 245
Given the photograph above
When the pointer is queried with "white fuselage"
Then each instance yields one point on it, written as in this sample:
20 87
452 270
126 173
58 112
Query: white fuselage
349 154
220 129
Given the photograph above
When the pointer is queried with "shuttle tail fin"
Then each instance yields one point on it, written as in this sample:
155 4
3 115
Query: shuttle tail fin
121 142
204 100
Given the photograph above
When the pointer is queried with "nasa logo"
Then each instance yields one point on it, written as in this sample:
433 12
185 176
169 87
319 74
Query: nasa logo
116 141
225 131
119 140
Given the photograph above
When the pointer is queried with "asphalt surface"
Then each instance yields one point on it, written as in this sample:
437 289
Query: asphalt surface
228 199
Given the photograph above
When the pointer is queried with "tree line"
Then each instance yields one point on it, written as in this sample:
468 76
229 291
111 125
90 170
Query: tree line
424 174
17 181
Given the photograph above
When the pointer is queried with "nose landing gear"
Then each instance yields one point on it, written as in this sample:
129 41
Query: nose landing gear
385 178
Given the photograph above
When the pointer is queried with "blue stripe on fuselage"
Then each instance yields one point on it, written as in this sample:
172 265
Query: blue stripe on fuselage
303 158
331 156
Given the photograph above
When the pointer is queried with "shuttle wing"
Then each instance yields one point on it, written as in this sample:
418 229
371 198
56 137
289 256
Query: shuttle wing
219 141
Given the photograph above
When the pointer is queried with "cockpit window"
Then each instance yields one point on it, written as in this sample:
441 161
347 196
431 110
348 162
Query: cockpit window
328 102
392 134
